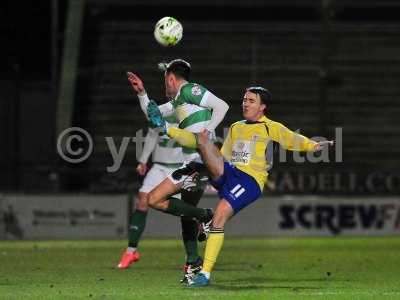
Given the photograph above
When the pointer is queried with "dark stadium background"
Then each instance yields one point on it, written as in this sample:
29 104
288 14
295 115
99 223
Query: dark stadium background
328 64
321 230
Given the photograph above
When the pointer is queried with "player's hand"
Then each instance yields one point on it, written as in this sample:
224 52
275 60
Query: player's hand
203 137
321 145
141 169
136 83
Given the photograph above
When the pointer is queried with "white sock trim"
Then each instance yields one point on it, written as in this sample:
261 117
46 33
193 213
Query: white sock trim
207 274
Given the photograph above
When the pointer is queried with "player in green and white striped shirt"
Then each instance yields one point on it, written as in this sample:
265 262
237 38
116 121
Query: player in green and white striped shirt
196 109
167 156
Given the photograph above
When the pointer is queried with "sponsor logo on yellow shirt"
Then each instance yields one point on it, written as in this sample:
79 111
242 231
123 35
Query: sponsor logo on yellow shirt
241 152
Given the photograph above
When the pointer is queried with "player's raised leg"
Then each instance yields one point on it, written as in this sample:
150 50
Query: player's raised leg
210 154
182 136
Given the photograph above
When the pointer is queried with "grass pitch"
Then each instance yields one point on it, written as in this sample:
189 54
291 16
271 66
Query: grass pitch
284 268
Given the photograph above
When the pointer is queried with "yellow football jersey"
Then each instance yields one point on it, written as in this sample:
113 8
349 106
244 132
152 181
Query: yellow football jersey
246 145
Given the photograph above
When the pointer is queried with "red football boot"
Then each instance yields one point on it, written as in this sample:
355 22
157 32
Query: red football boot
128 258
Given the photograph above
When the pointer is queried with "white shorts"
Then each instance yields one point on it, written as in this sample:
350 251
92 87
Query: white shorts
154 177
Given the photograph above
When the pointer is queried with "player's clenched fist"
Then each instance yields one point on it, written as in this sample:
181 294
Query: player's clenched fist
136 83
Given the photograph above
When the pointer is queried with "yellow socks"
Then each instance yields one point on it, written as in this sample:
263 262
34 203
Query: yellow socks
213 247
183 137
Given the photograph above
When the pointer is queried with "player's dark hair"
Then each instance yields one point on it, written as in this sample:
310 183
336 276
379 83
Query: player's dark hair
265 95
179 67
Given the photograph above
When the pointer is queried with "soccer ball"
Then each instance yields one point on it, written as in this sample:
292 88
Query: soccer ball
168 31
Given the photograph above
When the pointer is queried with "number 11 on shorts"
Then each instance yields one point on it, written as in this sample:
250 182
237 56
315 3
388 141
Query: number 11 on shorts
237 190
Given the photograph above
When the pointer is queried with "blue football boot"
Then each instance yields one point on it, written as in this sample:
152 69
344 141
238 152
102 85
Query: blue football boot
199 280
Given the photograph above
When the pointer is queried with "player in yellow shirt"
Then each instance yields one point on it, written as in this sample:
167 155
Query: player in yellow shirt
240 170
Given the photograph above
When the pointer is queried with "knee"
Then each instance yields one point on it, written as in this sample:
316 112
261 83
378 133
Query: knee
219 170
219 221
216 170
142 206
142 202
222 214
155 201
151 200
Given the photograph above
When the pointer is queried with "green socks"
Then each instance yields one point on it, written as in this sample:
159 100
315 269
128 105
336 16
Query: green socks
179 208
136 228
189 237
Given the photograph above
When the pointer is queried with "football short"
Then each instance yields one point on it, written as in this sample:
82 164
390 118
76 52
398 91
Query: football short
154 177
236 187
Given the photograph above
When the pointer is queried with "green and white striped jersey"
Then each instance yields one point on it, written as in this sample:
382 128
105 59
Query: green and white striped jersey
188 107
195 107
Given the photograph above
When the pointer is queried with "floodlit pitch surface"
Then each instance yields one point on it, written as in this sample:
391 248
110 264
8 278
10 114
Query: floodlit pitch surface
282 268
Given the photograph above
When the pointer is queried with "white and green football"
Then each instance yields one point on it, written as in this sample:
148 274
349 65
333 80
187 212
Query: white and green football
168 31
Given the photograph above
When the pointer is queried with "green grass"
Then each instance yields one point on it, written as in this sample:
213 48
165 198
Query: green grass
284 268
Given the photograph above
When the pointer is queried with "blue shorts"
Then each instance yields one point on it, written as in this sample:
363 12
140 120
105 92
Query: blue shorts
236 187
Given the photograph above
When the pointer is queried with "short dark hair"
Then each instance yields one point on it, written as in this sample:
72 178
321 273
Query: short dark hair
265 95
178 67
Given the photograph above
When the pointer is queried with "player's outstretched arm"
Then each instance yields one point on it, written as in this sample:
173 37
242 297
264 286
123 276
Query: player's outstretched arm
138 87
150 142
219 109
289 139
294 141
141 169
148 147
136 83
321 145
